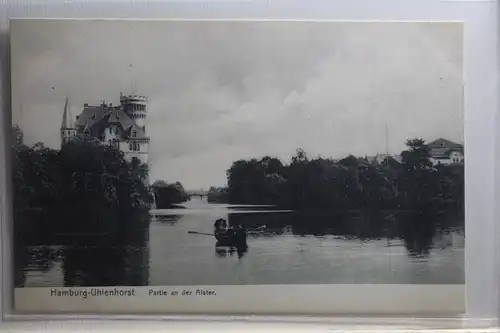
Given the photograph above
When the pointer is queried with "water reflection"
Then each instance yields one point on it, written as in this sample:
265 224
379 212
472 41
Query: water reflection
417 230
104 261
225 252
166 219
284 247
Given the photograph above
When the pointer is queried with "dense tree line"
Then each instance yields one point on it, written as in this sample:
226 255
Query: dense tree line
166 195
350 183
83 188
217 195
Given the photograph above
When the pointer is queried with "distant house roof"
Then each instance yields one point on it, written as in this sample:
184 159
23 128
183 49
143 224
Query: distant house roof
97 118
443 143
379 158
442 148
363 163
398 158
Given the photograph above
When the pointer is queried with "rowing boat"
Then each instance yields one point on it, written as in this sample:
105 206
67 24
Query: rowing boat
236 238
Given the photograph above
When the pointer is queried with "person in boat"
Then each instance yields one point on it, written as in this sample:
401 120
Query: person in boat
220 228
240 237
236 237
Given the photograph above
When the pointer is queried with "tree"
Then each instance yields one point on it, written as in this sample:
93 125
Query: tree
17 135
167 195
417 157
218 194
84 187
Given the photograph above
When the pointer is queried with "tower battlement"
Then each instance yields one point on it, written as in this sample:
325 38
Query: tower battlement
132 98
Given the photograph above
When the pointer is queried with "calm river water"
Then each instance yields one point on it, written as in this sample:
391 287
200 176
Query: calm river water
277 254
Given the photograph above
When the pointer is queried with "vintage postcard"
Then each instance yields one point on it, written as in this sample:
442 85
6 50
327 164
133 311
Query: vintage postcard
211 166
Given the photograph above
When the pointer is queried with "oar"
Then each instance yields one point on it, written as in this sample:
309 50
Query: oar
204 233
258 228
200 233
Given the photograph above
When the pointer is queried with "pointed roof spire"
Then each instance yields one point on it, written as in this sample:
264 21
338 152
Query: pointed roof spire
67 120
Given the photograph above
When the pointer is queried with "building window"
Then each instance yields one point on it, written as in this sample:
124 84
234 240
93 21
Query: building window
134 133
110 130
114 143
117 130
134 146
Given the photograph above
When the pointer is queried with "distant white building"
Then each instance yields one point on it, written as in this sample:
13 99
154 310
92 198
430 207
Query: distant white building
122 126
442 151
446 152
380 158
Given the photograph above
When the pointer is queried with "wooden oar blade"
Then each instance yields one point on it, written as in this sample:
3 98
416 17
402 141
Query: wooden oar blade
199 233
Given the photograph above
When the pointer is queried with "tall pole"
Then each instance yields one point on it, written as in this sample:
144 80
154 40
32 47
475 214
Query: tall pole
134 86
386 140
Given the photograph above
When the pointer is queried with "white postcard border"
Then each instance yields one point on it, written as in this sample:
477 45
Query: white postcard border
480 109
411 300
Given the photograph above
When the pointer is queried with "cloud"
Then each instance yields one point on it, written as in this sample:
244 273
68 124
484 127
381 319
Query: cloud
221 91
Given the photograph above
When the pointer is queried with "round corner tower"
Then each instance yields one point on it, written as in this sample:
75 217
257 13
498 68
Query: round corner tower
136 107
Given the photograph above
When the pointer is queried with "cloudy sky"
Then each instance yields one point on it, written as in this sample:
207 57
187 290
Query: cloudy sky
222 91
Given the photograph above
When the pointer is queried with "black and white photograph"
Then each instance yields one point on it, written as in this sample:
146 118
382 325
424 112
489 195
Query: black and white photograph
230 153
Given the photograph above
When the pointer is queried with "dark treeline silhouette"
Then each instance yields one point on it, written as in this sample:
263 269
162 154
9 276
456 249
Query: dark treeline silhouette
85 195
217 195
350 183
411 200
167 195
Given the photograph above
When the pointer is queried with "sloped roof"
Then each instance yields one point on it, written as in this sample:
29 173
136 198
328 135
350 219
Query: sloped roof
442 148
443 143
97 118
139 132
